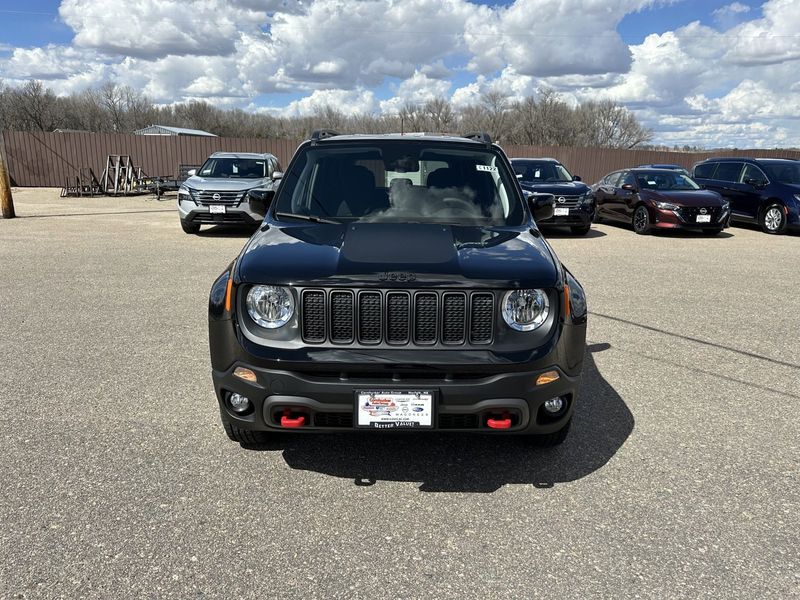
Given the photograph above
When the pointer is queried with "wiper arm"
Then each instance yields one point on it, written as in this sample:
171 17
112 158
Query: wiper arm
312 218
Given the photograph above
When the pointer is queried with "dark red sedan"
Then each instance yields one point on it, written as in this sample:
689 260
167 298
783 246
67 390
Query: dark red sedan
659 199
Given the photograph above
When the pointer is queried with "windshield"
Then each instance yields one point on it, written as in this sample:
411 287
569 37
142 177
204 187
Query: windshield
542 172
783 172
239 168
665 181
392 181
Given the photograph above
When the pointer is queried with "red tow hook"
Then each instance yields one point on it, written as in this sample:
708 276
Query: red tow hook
504 423
288 421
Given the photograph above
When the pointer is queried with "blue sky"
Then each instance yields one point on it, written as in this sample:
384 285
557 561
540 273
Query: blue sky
706 72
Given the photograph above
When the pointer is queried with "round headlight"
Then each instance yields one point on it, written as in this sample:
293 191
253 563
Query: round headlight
525 310
270 306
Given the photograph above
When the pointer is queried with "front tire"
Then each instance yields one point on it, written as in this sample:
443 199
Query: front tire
244 436
580 230
641 220
773 219
190 227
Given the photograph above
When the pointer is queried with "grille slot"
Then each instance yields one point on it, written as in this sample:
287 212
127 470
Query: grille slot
369 317
314 316
453 325
395 317
425 321
342 317
480 330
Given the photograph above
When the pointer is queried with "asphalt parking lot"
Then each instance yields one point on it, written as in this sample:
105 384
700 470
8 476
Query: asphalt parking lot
680 478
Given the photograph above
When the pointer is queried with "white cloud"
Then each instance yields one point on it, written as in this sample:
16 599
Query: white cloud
349 102
545 38
157 28
417 89
729 15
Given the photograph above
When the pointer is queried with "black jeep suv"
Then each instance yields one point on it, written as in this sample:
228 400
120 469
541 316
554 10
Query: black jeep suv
765 191
398 283
575 203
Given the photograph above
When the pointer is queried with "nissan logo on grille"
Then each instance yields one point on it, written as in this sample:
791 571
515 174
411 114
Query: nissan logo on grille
216 196
561 199
703 211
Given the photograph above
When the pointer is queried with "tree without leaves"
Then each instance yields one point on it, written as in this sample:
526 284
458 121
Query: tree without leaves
542 119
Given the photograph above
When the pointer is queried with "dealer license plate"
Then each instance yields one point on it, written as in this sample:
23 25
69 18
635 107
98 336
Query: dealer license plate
561 212
393 409
216 209
704 218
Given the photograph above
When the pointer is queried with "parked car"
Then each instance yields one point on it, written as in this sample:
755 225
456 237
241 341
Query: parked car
230 188
765 191
669 166
400 283
575 204
659 199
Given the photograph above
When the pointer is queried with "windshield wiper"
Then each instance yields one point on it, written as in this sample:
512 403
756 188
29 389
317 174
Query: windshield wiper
312 218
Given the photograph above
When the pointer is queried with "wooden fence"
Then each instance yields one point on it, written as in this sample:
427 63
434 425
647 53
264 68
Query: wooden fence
38 159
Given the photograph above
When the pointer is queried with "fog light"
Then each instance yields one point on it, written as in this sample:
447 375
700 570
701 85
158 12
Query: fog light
245 374
239 403
554 405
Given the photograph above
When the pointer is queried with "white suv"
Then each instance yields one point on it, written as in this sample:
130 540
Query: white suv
231 188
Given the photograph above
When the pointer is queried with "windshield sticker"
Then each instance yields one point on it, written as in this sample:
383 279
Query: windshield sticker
487 168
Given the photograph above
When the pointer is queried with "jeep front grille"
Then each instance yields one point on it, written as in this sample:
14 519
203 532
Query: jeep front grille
397 317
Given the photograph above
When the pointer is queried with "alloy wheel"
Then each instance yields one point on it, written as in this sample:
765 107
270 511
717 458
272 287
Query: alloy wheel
773 219
641 220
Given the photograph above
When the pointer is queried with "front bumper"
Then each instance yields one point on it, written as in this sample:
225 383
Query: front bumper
581 215
469 387
670 219
241 214
460 403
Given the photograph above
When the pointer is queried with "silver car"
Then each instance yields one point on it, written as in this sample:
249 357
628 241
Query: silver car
231 188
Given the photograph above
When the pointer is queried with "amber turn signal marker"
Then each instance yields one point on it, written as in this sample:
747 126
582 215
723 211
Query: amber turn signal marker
547 377
566 300
228 294
245 374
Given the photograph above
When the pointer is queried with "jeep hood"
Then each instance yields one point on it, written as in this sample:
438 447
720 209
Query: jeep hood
397 254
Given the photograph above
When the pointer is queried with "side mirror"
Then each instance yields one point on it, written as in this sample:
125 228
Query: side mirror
576 178
260 200
629 187
756 183
191 172
277 175
543 206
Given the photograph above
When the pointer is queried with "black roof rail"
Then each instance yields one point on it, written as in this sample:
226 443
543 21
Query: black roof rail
479 136
321 134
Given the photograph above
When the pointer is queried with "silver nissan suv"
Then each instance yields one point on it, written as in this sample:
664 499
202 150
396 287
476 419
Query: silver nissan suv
231 188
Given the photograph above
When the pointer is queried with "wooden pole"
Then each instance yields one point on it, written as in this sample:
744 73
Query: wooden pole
6 201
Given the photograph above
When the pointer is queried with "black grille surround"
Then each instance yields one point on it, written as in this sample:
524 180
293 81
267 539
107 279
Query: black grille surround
397 318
